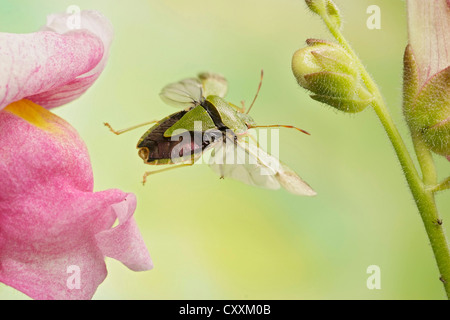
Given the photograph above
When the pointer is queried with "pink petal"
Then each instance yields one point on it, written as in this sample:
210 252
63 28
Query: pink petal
429 36
55 66
124 242
45 235
31 159
50 218
41 275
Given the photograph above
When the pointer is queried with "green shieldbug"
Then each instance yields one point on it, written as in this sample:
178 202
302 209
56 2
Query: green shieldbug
207 121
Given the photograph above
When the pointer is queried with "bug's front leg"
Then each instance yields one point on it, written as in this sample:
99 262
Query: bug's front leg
117 132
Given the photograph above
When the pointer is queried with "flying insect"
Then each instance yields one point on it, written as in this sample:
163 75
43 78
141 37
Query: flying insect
207 121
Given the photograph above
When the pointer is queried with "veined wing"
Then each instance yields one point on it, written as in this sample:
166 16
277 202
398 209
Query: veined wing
290 181
250 164
190 92
230 160
184 94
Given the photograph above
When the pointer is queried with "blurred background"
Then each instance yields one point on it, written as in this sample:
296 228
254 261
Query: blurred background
221 239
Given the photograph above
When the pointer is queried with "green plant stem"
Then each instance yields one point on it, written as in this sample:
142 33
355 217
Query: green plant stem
444 185
425 160
423 195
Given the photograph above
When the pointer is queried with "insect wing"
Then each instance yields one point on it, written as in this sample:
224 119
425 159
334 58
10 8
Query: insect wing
184 94
254 166
213 84
236 161
287 178
293 183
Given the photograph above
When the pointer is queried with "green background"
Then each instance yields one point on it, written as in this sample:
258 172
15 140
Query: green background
221 239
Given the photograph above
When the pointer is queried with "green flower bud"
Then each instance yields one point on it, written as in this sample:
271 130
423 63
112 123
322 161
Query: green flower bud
427 108
326 9
329 72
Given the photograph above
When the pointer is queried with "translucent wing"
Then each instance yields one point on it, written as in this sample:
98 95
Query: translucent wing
250 164
184 94
293 183
191 92
234 161
213 84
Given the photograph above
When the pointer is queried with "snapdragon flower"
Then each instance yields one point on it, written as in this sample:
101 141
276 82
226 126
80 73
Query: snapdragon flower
52 223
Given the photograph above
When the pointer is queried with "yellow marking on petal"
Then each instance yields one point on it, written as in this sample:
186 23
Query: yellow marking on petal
34 114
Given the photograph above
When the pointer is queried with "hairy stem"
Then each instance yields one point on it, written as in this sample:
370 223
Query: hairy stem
423 196
429 175
444 185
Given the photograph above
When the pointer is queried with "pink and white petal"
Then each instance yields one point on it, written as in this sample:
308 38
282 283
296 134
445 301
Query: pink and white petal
64 94
124 242
56 65
90 20
48 210
96 23
72 274
428 25
31 64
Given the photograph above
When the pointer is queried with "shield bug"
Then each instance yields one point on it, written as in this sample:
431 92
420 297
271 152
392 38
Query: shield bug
207 121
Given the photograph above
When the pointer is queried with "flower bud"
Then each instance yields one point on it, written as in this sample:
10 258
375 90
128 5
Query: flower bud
326 9
328 71
427 110
426 79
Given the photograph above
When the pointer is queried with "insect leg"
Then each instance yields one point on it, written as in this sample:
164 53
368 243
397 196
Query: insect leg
146 174
128 129
221 169
257 92
243 107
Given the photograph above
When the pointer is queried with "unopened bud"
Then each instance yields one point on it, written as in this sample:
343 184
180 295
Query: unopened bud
427 109
329 72
326 9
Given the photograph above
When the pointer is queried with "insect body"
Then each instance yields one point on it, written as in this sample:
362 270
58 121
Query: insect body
208 121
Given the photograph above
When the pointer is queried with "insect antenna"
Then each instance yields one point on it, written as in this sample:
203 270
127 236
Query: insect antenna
279 126
257 92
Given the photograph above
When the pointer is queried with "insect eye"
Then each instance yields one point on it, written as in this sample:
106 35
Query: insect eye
143 153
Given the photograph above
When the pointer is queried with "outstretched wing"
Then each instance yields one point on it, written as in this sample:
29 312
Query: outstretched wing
184 94
230 160
290 181
190 92
243 161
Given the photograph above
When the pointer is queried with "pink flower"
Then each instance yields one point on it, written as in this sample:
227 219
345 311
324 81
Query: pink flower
429 36
54 230
427 73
